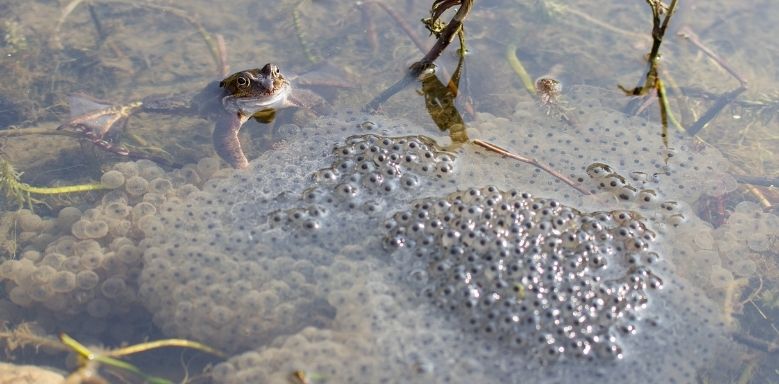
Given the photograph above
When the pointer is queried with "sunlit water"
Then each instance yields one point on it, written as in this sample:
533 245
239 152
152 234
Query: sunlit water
145 50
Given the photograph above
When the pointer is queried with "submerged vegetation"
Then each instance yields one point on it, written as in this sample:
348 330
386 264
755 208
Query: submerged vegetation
93 362
21 193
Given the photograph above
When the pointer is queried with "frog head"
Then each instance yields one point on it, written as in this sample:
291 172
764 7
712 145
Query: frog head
250 91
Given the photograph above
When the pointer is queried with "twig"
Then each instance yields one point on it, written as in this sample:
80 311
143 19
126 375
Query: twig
39 131
402 24
748 372
652 79
687 33
754 342
447 35
57 42
587 17
754 294
759 195
90 359
101 35
370 28
728 97
420 67
658 32
714 110
533 162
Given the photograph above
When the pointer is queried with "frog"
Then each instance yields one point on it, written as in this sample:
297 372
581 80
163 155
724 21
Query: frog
228 104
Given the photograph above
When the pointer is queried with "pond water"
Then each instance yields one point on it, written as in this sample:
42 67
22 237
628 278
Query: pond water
395 245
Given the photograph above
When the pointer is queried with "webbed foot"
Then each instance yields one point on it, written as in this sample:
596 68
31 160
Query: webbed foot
94 119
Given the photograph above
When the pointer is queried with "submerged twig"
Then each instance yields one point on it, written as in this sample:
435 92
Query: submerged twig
586 16
687 33
445 35
101 35
370 29
758 180
533 162
56 40
714 110
401 22
724 99
754 342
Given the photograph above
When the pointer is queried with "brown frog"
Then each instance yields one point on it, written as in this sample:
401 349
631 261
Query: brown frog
228 103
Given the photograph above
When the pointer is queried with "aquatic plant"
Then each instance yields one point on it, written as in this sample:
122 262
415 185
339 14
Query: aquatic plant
652 80
90 360
21 193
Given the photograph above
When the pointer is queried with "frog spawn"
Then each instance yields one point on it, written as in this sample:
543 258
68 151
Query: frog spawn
330 300
367 166
611 265
685 167
540 277
84 266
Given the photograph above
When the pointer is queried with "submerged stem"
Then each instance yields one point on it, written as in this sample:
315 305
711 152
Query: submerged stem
21 192
531 161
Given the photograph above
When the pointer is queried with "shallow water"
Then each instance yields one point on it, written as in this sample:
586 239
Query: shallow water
139 50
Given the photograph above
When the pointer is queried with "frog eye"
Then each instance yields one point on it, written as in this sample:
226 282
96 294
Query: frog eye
242 82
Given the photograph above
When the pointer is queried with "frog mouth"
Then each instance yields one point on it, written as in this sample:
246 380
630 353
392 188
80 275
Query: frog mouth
249 105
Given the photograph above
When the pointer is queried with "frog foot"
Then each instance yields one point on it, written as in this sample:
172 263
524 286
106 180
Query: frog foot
94 119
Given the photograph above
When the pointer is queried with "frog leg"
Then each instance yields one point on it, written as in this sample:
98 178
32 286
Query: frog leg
94 119
225 139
